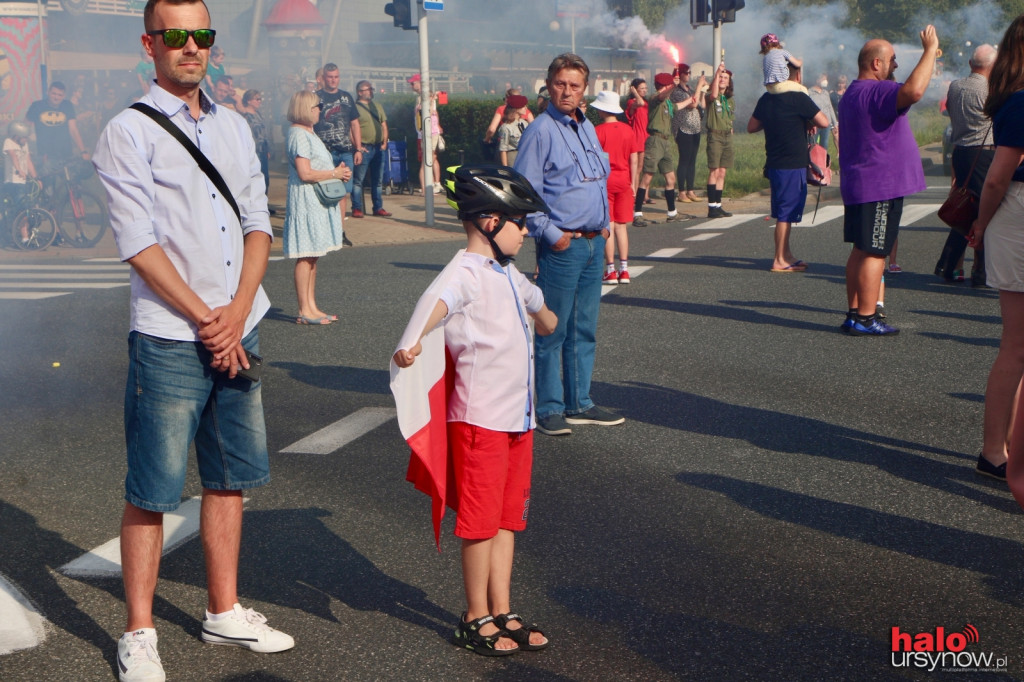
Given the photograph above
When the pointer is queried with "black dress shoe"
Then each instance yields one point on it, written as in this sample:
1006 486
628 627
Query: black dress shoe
345 241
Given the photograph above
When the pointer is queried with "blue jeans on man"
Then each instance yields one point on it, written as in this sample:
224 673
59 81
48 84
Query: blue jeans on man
349 158
571 282
369 171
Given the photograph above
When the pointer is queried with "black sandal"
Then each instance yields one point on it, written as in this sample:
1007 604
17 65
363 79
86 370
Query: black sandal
467 636
521 635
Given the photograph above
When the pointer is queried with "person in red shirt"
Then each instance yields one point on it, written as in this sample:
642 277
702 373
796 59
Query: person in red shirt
636 116
619 143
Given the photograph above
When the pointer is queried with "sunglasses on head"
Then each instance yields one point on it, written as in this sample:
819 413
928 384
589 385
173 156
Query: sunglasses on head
177 37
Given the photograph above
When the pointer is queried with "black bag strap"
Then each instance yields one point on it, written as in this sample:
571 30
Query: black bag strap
204 163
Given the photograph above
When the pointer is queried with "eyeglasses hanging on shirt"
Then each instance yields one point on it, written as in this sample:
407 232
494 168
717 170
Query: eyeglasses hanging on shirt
593 158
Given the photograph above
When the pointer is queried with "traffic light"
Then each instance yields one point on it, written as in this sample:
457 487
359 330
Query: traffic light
401 12
700 13
725 10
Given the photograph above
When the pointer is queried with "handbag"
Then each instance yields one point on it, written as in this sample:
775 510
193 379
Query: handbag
960 208
330 192
440 144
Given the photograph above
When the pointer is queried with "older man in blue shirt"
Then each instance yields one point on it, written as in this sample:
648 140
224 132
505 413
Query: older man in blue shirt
560 155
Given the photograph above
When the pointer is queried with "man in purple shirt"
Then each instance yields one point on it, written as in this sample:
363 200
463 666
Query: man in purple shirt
880 165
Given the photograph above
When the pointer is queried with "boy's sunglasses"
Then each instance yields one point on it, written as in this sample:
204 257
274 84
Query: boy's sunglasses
177 37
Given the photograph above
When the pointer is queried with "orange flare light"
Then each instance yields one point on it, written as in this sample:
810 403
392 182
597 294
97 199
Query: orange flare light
674 51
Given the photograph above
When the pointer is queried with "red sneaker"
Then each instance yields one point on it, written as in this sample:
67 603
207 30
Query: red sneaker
356 213
624 277
382 213
611 278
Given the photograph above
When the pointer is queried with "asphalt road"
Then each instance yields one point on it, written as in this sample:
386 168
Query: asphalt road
780 497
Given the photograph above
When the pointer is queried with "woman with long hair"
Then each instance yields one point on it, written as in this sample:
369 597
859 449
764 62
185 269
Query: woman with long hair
721 113
1000 226
686 128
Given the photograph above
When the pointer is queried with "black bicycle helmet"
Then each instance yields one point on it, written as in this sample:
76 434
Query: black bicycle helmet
479 188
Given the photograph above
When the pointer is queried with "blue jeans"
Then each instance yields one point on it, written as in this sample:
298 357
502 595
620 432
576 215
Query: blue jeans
571 282
173 397
372 167
348 158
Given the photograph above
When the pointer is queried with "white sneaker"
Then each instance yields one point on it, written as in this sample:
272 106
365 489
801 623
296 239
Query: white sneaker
246 628
438 188
137 659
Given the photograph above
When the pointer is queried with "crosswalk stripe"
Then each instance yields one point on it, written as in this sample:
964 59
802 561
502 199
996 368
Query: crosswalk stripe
70 267
340 433
726 223
180 526
63 285
703 237
61 275
21 626
914 212
30 295
665 253
825 214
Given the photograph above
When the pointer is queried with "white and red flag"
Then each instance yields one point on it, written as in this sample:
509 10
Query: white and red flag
421 395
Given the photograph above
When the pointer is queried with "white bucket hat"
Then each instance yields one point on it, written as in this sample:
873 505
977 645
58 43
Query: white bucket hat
607 101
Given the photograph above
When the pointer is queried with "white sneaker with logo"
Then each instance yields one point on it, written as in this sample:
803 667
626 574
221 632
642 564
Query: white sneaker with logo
246 628
137 659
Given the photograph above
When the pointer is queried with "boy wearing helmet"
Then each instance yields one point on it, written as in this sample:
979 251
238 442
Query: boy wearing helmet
482 302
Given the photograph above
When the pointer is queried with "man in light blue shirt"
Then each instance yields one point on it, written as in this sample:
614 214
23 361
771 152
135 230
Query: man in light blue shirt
560 155
196 299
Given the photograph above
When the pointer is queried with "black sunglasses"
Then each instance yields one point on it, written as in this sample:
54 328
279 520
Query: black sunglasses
177 37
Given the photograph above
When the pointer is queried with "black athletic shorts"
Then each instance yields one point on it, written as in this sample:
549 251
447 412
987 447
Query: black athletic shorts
873 227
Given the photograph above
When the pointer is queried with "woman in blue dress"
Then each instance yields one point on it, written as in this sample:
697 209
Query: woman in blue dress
310 229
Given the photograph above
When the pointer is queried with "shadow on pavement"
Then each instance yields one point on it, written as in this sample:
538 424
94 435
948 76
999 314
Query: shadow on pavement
339 378
292 559
778 432
939 543
693 647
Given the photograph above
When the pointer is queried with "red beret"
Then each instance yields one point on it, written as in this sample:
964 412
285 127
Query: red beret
662 79
517 101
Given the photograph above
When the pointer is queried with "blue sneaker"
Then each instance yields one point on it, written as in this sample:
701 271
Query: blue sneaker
873 328
847 323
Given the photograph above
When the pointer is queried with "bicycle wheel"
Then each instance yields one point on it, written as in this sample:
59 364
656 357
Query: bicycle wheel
33 229
82 222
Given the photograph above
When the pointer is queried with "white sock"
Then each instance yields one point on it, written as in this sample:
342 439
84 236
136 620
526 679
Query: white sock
673 214
610 267
623 265
218 616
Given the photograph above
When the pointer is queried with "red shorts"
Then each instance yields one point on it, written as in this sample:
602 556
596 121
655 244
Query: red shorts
492 479
620 198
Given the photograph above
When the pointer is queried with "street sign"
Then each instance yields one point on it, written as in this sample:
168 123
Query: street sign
572 8
435 5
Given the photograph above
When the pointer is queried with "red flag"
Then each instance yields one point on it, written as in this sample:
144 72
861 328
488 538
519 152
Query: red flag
421 396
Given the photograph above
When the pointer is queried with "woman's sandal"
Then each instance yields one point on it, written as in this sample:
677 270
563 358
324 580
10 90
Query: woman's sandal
521 635
467 636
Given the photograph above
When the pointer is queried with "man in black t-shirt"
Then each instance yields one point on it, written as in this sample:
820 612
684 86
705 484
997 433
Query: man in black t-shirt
56 127
338 126
785 119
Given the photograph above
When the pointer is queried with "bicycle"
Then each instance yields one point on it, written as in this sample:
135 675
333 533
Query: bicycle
81 216
31 228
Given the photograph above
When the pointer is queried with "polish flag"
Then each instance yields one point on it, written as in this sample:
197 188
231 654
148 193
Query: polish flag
421 396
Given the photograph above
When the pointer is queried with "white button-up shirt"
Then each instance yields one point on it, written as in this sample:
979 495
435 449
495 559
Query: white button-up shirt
158 195
488 335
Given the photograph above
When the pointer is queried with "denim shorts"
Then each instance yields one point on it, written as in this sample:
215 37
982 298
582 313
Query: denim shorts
172 398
